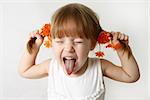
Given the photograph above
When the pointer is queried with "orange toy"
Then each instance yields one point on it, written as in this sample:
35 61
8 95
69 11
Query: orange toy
45 33
103 38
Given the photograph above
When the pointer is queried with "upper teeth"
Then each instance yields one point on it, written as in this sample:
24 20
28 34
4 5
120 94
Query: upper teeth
69 58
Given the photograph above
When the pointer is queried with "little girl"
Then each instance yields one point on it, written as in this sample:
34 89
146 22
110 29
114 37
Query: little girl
72 75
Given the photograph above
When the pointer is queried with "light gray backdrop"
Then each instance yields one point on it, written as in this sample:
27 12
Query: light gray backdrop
18 18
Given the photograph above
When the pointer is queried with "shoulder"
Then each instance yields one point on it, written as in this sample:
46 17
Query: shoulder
105 64
97 61
102 63
49 64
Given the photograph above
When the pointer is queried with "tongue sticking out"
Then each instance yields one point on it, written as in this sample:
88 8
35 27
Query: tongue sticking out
69 65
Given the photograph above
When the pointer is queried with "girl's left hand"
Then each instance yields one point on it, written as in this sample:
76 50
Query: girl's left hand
119 37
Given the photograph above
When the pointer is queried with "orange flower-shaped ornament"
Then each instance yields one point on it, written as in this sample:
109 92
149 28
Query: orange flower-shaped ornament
46 33
99 54
103 38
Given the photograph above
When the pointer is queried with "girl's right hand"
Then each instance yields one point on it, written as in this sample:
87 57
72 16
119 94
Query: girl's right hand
35 40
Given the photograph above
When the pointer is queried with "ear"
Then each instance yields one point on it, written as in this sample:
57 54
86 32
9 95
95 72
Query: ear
93 45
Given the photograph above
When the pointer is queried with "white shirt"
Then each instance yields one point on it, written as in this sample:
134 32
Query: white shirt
88 86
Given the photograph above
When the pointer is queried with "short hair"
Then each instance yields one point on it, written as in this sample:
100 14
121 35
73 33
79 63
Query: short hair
75 20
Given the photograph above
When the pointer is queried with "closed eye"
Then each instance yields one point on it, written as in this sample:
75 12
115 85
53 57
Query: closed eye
59 41
78 42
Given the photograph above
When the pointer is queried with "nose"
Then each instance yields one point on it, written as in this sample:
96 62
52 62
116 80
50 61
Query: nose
69 48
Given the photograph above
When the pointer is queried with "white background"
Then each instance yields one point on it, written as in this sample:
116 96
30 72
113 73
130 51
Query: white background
18 18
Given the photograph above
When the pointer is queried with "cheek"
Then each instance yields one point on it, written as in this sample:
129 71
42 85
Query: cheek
83 52
57 50
57 53
82 58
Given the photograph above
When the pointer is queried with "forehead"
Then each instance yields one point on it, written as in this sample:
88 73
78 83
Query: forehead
69 28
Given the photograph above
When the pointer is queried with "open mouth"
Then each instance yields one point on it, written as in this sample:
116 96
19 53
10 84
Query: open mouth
69 64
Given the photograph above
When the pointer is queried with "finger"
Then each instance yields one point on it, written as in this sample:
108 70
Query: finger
115 35
119 35
31 35
35 32
39 39
126 37
38 36
122 37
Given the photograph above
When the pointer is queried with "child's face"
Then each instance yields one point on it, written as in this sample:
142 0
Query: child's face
72 52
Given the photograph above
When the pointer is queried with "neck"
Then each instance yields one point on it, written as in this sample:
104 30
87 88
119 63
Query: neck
81 71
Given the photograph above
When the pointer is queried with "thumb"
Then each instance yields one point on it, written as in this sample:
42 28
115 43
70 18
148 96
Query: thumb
115 37
39 39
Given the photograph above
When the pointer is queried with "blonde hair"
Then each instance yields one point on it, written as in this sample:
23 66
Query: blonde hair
75 20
